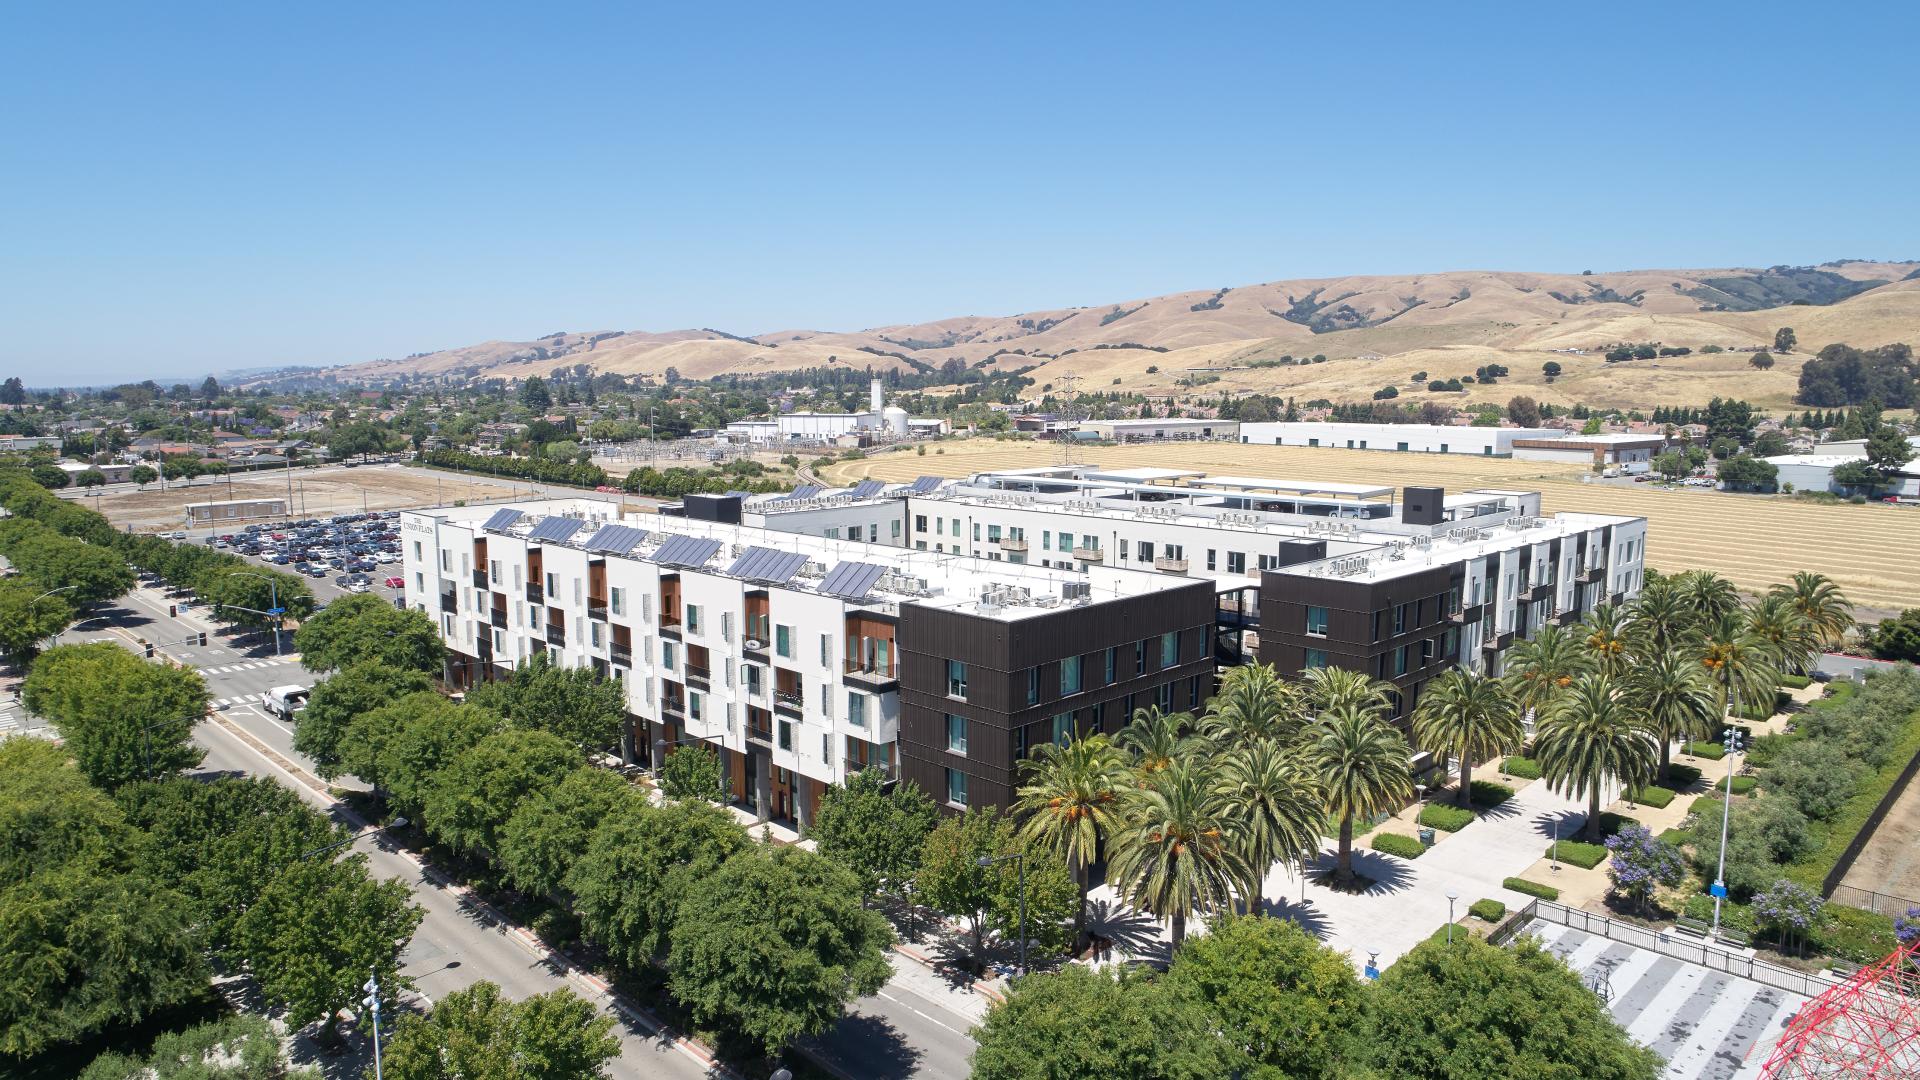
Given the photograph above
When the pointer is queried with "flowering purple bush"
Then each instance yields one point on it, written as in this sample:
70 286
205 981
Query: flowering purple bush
1907 927
1642 862
1790 909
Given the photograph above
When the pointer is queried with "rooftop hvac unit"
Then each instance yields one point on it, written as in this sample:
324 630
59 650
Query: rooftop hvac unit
1076 590
813 568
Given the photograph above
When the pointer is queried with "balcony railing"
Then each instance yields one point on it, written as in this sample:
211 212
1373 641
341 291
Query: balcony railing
673 706
1088 554
1171 566
622 654
556 634
535 595
479 579
874 675
596 609
498 617
669 623
695 671
449 601
1014 543
789 699
760 734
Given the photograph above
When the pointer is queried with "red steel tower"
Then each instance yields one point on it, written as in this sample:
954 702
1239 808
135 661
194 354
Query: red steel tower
1866 1027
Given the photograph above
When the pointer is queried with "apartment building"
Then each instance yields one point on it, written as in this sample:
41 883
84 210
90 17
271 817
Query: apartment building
802 659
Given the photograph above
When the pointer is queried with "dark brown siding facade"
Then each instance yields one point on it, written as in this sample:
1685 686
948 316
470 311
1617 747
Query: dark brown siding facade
1361 629
1015 696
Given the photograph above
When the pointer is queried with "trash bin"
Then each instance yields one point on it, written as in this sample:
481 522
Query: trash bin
1426 837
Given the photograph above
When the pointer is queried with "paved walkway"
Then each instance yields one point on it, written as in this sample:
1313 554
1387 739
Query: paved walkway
1707 1025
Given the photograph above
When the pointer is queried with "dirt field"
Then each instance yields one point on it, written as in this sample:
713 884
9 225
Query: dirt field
316 493
1754 541
1890 863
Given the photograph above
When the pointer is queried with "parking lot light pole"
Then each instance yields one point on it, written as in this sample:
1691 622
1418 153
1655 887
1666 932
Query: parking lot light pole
1730 741
1451 897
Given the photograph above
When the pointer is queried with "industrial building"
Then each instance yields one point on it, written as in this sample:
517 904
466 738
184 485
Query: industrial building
803 659
1628 453
879 420
216 513
1814 472
1151 430
1407 438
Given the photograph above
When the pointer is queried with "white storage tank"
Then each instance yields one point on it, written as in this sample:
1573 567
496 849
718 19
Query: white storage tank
897 421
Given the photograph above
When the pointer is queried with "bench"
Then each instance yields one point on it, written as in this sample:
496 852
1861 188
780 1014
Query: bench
1696 927
1736 938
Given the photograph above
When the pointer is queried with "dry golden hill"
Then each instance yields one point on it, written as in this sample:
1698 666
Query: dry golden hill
1374 330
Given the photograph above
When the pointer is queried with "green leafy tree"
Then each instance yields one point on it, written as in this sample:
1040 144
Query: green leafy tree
1254 703
478 1034
1156 739
318 929
692 773
1472 1011
121 717
364 745
1606 634
1524 411
357 689
49 814
1277 992
534 394
637 866
27 618
1742 666
774 945
1589 738
1069 803
1708 596
1147 1029
241 1047
412 757
88 574
547 832
470 800
366 629
1331 689
874 828
143 474
1784 339
1362 766
577 705
1897 638
242 597
1273 801
1467 716
952 881
1745 472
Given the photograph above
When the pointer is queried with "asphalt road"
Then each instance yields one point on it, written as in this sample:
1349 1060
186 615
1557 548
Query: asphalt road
894 1035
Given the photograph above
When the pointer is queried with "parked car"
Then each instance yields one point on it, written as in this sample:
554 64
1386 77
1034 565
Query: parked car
395 583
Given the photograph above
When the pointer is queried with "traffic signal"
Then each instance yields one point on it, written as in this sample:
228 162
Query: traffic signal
203 637
149 652
173 611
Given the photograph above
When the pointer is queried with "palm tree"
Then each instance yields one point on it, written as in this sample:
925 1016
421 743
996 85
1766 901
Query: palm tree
1070 804
1605 635
1254 703
1178 857
1468 716
1330 689
1822 604
1274 804
1541 666
1710 596
1155 739
1362 766
1743 667
1589 737
1670 690
1774 619
1660 619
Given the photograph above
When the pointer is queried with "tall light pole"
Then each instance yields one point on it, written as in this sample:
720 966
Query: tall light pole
1730 740
273 604
372 1001
1019 859
1451 897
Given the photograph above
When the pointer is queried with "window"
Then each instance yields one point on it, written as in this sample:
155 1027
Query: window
920 523
857 710
1236 562
1316 658
1070 676
1169 649
895 528
786 734
1033 685
1112 654
1452 602
1317 621
956 679
993 534
956 526
1143 550
419 581
696 705
1400 660
956 734
693 618
726 626
1210 565
826 747
1062 733
446 561
956 787
617 600
1046 541
976 532
873 536
783 641
826 650
1139 660
417 553
595 628
1163 697
833 533
1066 542
666 655
493 571
553 584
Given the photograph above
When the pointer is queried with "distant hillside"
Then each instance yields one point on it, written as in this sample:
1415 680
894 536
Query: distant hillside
1367 324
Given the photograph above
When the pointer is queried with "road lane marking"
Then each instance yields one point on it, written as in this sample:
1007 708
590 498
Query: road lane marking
918 1013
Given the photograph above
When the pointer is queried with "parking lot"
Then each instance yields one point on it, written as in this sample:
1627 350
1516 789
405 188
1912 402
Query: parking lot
337 555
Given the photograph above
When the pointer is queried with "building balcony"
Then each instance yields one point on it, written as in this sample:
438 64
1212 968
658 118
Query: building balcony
535 595
1592 574
621 654
871 678
479 579
673 706
556 635
762 734
596 609
1171 566
1014 543
670 625
498 617
449 601
789 701
1088 554
696 673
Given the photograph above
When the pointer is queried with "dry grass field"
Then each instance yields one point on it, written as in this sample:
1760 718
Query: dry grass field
1754 541
316 493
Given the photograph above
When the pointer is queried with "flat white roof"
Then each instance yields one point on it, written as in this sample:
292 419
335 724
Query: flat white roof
1144 475
1299 487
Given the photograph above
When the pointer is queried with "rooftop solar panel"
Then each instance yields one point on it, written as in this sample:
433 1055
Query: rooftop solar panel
501 519
616 539
867 489
851 580
765 564
686 551
806 491
926 484
556 528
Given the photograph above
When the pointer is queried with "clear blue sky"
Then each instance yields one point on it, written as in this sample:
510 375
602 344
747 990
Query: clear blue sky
192 187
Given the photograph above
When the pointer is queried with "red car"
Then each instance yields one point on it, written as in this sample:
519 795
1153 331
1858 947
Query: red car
396 583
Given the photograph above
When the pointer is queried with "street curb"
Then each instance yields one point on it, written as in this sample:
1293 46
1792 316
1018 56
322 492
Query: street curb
985 990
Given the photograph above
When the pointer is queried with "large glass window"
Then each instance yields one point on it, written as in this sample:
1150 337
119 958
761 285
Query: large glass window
956 679
1316 658
693 618
956 734
1169 649
1033 685
956 787
783 641
1316 620
1062 733
857 710
1070 675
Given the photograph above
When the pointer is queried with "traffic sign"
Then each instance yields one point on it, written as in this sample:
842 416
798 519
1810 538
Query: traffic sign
1718 891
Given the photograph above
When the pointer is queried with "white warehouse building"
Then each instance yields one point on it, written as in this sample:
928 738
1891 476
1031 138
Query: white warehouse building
1409 438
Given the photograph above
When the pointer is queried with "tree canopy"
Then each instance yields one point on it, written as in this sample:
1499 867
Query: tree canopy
120 716
478 1034
364 628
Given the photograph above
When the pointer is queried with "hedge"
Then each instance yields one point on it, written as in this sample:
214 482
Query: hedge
1681 777
1861 937
1733 914
1712 751
1488 910
1394 844
1611 823
1744 785
1524 768
1573 852
1676 837
1795 682
1531 888
1444 817
1651 795
1487 793
1812 869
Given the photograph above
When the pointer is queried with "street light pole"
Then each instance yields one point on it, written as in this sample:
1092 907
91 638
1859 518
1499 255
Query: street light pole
273 604
1019 859
372 1001
1451 897
1730 740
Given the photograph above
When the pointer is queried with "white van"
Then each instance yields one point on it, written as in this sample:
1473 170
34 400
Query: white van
284 701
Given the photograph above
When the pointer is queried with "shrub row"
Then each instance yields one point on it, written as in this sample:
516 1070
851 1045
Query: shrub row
1681 777
1394 844
1531 888
1573 852
1486 793
1488 910
1651 795
1710 751
1795 682
1445 817
1522 767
